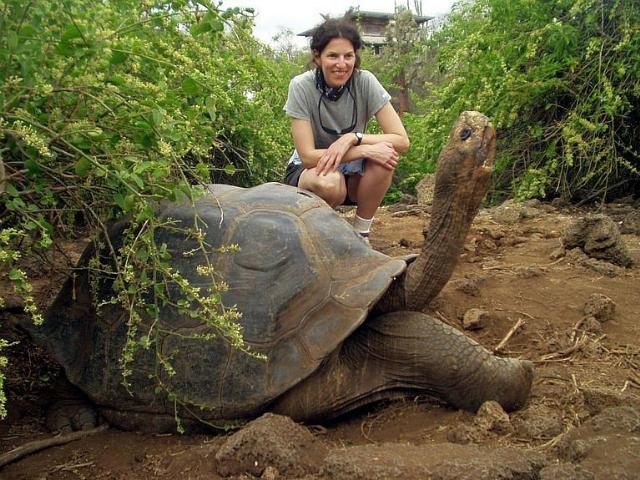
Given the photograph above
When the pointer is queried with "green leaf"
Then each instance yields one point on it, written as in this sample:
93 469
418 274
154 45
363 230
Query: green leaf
190 86
125 202
143 254
200 28
210 104
230 169
32 166
11 190
157 117
28 30
83 166
70 33
16 275
217 26
12 39
138 181
118 57
203 170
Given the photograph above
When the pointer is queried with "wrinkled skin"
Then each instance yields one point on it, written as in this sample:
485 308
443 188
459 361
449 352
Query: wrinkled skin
463 176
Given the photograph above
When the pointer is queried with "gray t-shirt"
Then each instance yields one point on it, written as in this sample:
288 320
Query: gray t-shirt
304 102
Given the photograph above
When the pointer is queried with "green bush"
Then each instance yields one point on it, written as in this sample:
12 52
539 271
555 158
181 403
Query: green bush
561 80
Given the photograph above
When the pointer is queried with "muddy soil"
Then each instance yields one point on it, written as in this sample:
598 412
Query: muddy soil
515 290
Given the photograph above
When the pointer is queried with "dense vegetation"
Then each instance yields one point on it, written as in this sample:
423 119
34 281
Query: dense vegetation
109 107
561 80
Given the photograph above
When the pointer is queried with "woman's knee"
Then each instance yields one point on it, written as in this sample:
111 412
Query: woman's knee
330 187
378 172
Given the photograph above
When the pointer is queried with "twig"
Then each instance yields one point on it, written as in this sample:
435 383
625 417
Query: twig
574 331
509 334
69 467
36 446
526 315
363 432
442 317
579 343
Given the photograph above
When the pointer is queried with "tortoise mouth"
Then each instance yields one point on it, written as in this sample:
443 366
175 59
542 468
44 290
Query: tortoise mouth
488 146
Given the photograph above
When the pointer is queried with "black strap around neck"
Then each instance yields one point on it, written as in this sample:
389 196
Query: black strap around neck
330 93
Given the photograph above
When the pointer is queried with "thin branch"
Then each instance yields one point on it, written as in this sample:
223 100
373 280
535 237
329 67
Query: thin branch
37 445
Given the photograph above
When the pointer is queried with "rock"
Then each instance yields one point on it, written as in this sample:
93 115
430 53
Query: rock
487 244
630 223
529 272
464 434
591 325
494 231
70 415
511 212
607 445
547 208
532 203
600 307
513 241
508 213
529 212
565 471
470 286
598 237
409 212
270 473
492 418
598 399
578 257
475 319
445 461
559 202
537 422
557 253
425 188
271 441
406 243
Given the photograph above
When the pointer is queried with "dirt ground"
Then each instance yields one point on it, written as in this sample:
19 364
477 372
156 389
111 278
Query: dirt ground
578 320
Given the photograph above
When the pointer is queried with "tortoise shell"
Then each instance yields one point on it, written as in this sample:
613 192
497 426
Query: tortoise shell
302 279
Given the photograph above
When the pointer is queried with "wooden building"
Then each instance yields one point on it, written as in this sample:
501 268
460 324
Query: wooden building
372 26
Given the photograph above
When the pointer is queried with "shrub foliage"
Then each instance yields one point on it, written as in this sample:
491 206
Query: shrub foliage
561 80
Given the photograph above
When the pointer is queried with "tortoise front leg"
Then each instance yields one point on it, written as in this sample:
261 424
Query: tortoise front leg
407 353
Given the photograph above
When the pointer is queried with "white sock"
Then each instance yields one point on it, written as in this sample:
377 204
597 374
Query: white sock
362 225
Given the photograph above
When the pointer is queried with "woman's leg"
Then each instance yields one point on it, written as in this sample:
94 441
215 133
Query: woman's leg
369 189
330 187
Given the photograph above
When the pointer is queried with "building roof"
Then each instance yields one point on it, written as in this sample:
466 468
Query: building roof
364 16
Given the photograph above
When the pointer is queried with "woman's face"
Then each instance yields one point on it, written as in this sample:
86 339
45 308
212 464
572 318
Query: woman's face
337 62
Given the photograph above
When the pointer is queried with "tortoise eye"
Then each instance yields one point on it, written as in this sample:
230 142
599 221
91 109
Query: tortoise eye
465 133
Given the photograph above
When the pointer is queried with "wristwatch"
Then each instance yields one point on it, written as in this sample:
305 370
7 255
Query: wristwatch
359 137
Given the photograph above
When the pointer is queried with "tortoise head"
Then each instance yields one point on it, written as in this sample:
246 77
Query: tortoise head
463 176
465 164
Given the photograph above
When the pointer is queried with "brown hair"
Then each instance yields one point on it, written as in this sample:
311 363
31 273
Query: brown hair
335 28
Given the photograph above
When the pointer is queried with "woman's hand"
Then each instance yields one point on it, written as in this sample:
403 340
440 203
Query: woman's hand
331 158
383 154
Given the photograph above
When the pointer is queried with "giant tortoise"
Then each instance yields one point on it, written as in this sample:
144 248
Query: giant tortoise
340 324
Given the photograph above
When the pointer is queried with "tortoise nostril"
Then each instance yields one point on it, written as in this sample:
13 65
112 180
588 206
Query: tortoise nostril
465 133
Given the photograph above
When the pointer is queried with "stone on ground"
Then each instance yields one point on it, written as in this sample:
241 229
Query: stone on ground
273 441
445 461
